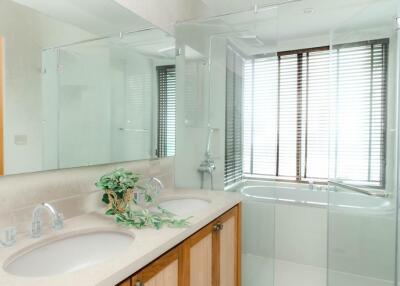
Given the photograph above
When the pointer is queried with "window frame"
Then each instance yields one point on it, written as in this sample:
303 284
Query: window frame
299 178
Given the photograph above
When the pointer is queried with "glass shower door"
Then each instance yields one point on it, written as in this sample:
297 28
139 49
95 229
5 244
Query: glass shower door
362 206
361 237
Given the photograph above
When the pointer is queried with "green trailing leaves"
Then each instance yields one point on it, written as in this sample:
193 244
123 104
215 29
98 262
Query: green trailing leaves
145 218
120 193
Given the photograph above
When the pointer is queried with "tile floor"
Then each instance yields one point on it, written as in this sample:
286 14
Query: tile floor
261 271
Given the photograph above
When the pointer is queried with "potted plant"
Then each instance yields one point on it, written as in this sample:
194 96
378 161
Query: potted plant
121 189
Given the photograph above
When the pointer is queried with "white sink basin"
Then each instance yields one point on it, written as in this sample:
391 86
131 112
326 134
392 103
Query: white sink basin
184 206
68 253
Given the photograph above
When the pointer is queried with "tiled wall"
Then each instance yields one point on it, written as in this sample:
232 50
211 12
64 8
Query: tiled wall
72 191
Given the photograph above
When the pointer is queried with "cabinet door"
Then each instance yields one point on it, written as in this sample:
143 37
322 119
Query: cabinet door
162 272
211 257
229 248
197 254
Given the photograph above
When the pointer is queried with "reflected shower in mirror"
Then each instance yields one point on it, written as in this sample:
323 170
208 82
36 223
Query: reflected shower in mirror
74 97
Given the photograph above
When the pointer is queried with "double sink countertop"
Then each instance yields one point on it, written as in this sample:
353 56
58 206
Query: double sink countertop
148 244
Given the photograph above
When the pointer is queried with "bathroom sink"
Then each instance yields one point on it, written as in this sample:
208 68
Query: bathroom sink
68 253
184 206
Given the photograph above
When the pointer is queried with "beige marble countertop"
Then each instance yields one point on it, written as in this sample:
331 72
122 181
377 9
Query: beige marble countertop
147 245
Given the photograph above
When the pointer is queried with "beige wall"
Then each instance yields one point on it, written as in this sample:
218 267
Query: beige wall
71 191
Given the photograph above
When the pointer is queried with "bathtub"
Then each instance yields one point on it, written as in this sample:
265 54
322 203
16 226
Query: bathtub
317 198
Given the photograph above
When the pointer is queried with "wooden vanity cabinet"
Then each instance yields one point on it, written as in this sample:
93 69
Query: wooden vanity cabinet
162 272
210 257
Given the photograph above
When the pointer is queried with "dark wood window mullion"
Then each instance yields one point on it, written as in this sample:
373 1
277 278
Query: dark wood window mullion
278 115
299 116
385 58
161 90
234 117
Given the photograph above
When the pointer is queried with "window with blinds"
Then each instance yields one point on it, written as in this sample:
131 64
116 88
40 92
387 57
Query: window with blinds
166 110
317 113
233 117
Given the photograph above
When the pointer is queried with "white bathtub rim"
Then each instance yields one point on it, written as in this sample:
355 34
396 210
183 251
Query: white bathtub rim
339 207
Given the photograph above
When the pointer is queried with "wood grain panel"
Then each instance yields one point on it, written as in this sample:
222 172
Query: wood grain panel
215 255
184 260
167 277
159 265
227 255
201 262
239 245
156 269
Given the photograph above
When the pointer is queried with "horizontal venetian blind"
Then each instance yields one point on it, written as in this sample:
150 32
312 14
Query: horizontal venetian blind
359 112
288 116
166 110
260 116
314 114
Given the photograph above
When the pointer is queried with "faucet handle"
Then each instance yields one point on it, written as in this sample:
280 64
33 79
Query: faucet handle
36 229
8 236
58 222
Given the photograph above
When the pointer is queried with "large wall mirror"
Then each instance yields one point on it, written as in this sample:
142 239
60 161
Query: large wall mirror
81 86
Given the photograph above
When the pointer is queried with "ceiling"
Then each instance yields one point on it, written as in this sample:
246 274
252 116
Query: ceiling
106 17
253 33
262 32
99 17
153 43
218 7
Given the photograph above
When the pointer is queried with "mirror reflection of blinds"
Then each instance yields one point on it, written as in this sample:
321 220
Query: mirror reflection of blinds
233 117
314 114
166 110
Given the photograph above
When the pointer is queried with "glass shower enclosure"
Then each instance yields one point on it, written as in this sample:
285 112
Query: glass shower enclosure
363 213
359 211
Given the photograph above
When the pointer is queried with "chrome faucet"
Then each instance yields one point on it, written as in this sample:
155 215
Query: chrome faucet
153 186
156 184
37 224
